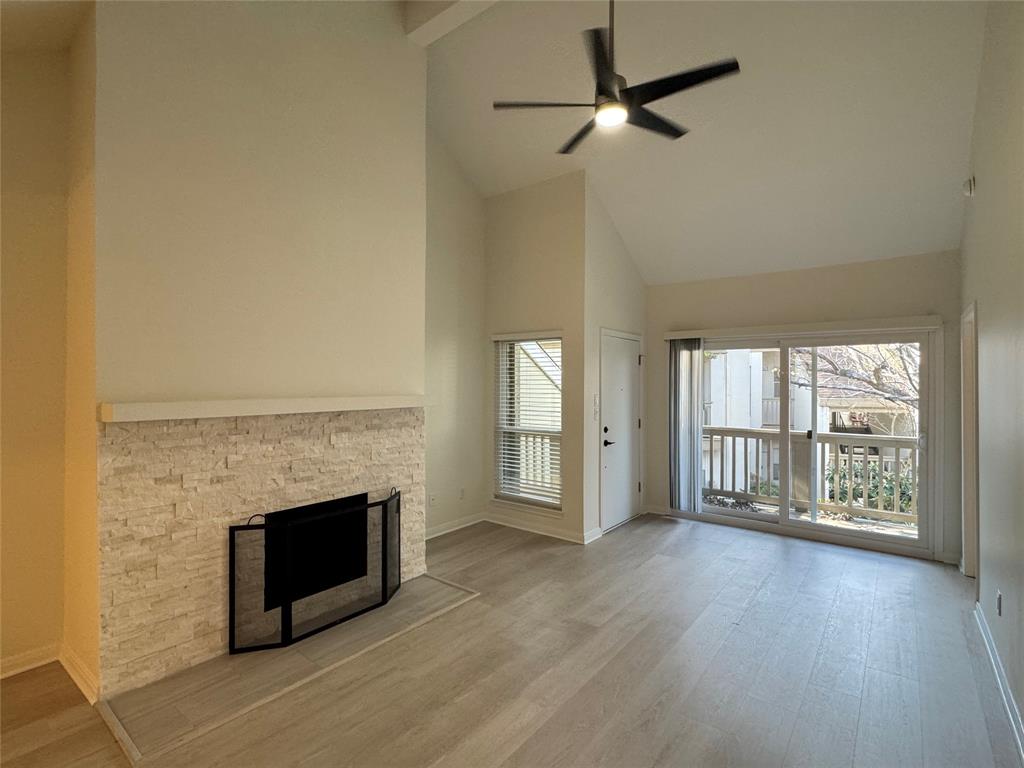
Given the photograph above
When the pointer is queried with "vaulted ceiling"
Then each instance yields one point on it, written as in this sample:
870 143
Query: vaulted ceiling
845 137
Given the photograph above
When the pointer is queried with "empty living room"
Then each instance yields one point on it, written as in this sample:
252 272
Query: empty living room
511 383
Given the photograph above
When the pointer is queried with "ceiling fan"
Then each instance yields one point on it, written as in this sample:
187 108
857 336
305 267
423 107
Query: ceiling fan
616 103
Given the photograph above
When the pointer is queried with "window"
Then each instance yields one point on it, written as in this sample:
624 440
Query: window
528 420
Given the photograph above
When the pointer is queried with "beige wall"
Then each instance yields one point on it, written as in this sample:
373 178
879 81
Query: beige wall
906 286
993 276
555 262
35 123
615 299
260 201
80 652
457 346
536 244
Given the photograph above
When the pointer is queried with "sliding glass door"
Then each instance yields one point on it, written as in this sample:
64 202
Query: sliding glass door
821 433
855 442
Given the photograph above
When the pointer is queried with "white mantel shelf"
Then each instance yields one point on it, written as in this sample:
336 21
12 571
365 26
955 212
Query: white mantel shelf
213 409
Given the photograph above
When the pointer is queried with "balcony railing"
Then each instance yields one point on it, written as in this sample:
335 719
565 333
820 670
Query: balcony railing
866 476
738 463
529 464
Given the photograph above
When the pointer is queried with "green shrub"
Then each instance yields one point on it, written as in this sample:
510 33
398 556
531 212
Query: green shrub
837 485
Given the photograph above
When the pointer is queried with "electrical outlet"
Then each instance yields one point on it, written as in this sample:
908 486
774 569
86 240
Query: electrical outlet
999 603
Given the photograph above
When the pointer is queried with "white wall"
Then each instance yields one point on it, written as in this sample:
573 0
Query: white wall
260 199
457 346
615 299
81 648
34 204
536 253
993 276
906 286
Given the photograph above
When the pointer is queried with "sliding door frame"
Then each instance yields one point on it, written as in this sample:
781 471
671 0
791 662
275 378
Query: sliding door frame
926 330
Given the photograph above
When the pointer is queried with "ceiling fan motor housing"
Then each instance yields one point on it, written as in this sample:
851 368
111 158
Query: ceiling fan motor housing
619 85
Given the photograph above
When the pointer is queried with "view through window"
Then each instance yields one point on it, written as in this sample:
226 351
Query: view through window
528 427
855 453
854 424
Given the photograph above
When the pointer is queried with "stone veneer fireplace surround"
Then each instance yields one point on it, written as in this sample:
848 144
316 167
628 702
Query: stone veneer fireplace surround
168 490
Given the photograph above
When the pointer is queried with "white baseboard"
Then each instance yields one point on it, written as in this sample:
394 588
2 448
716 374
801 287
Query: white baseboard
23 662
1012 710
538 525
532 525
80 674
453 525
650 509
77 671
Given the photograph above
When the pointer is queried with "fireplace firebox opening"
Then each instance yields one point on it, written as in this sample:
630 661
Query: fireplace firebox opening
311 567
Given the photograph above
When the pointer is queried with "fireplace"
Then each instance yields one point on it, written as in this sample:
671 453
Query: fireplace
305 569
169 490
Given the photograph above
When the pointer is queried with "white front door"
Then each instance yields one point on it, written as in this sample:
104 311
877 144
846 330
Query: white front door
620 429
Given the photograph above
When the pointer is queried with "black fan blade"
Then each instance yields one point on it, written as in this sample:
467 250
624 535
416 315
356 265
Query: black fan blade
644 118
604 75
581 134
540 104
644 93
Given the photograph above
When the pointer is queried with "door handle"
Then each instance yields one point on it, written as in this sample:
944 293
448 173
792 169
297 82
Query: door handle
608 442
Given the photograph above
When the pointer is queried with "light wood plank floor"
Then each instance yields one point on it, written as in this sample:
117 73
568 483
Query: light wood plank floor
665 643
46 721
160 716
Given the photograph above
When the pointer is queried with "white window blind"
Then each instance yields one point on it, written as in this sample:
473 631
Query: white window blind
528 411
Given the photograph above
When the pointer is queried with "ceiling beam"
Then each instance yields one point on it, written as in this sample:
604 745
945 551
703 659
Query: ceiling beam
429 20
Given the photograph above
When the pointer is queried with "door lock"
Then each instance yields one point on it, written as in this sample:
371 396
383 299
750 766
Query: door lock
608 442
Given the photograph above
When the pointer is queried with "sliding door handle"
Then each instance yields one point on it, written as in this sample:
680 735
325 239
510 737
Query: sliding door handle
608 442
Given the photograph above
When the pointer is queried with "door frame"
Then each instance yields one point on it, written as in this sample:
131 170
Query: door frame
613 333
969 488
929 329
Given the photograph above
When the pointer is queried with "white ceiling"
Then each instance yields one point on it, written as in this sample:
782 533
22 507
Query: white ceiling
844 138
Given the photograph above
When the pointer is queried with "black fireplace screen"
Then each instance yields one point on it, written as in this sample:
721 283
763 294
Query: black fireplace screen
306 569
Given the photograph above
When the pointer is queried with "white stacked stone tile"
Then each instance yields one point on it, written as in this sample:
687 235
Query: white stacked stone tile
168 490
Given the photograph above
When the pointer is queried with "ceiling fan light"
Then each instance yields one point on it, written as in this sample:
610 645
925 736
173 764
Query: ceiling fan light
610 114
